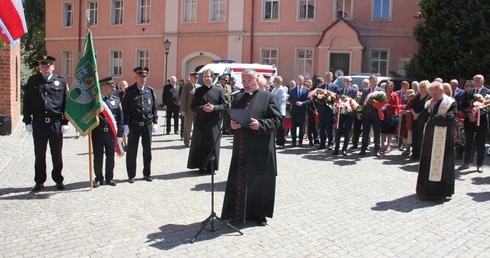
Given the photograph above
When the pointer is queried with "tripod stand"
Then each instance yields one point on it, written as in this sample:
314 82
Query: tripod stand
210 159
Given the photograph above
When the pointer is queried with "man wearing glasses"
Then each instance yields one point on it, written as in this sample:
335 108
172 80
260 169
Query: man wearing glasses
44 108
140 120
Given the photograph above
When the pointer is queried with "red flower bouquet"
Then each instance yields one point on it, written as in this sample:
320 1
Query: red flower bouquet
346 105
323 96
378 99
480 105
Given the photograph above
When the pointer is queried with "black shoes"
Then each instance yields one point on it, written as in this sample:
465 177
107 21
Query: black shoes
378 154
321 147
354 147
37 188
363 152
335 152
111 183
330 147
344 153
131 180
261 221
96 184
148 178
60 186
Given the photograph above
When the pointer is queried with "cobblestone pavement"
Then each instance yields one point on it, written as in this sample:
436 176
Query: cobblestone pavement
325 207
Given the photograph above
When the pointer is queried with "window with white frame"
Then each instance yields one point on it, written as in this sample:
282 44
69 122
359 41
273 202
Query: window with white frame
343 8
67 14
67 61
269 56
379 61
382 9
92 9
189 9
306 9
304 62
144 10
143 57
218 10
271 10
116 62
117 12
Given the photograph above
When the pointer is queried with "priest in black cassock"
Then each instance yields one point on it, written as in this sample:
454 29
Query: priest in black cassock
251 185
207 103
436 170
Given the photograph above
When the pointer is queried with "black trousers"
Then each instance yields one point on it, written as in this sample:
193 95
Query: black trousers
367 122
173 113
103 142
417 138
298 120
135 132
357 131
475 137
312 132
326 126
345 125
280 133
43 134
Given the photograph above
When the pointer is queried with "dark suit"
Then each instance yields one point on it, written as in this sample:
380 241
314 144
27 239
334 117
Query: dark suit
298 113
325 115
171 99
370 118
459 95
474 134
344 121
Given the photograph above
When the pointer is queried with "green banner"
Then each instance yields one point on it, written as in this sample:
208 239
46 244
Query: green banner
84 102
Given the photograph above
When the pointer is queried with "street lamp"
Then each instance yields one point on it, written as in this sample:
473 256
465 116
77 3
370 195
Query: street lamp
166 44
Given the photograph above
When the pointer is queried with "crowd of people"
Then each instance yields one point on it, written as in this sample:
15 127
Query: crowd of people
423 120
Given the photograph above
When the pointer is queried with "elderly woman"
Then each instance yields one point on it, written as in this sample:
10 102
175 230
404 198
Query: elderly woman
280 92
406 125
391 109
418 104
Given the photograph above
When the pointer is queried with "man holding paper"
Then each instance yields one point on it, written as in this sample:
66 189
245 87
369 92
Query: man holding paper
250 190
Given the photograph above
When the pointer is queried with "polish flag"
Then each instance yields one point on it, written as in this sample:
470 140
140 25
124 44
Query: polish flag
12 21
107 114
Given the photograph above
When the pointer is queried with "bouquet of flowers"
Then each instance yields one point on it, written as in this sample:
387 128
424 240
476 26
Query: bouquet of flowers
480 105
323 96
346 105
377 99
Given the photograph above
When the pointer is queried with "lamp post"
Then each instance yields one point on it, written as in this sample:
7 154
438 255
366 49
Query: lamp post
166 44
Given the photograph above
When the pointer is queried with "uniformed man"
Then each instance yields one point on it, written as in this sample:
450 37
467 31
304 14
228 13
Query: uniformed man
102 137
44 107
140 120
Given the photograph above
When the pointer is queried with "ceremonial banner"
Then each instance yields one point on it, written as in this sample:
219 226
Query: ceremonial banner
84 102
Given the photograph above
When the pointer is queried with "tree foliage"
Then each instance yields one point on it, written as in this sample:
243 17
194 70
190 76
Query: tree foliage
32 42
454 40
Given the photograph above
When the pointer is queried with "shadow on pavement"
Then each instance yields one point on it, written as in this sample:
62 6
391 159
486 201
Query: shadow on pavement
480 197
481 180
220 186
172 235
29 196
405 204
178 175
45 193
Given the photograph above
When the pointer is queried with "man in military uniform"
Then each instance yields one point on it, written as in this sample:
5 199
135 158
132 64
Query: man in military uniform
140 120
44 107
102 137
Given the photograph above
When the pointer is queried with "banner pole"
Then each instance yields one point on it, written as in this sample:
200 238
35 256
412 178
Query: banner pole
91 175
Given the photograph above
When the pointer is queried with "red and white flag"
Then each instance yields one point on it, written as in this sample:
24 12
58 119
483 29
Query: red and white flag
12 21
107 114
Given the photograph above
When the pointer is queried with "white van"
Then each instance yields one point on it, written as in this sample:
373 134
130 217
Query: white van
220 67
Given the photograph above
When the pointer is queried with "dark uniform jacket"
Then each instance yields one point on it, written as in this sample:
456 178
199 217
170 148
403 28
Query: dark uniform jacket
114 105
171 97
139 106
45 99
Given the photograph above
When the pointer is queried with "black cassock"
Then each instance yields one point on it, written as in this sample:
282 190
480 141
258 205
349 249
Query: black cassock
251 185
445 188
206 132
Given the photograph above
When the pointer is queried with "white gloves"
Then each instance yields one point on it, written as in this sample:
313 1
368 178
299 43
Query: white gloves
119 140
29 128
64 129
154 129
126 129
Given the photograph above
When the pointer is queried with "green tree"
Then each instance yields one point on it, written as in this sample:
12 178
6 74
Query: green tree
454 40
32 42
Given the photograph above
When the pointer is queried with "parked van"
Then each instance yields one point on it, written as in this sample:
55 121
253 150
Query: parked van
220 67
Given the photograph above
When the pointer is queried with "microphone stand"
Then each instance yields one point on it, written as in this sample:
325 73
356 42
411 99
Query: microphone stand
210 159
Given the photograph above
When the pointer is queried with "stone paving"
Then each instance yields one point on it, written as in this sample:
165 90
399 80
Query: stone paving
326 206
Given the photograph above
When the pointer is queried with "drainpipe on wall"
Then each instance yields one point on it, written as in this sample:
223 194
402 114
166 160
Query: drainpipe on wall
252 33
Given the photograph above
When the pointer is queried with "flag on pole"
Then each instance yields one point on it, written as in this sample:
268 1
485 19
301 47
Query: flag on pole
12 21
111 121
84 102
